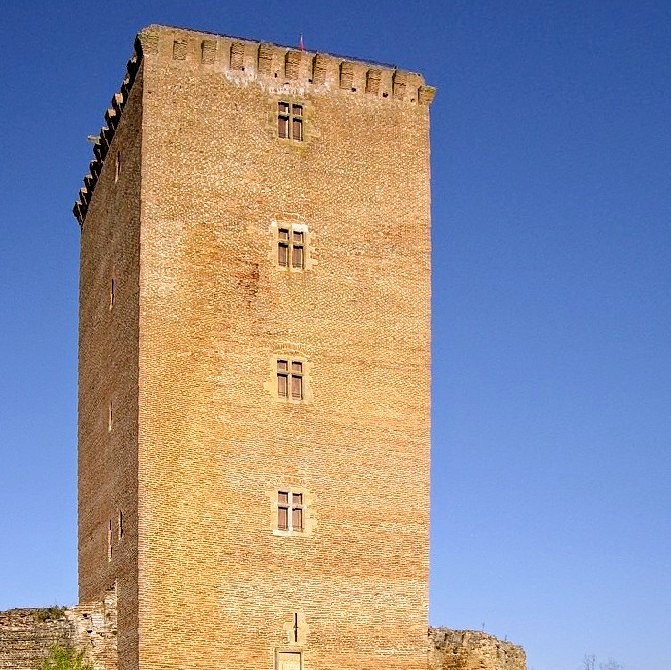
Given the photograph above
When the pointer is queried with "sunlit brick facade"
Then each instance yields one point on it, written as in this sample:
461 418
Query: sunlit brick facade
254 360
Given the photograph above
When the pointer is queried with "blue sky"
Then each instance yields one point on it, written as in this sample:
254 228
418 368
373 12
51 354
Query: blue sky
551 162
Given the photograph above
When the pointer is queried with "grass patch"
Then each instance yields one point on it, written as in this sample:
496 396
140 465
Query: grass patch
65 658
49 613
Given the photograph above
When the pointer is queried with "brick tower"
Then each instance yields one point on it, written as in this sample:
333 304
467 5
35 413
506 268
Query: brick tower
254 359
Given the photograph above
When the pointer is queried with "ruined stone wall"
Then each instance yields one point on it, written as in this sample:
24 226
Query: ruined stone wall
472 650
27 635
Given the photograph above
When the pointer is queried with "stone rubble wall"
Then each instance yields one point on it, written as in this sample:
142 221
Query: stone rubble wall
27 635
94 629
472 650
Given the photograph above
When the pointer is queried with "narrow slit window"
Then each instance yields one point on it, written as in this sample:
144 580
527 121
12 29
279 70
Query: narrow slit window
120 526
110 417
117 167
112 292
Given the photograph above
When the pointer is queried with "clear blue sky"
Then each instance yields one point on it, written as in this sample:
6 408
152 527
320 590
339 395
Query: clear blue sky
551 159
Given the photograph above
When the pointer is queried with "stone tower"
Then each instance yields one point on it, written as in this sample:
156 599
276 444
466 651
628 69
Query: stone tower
254 359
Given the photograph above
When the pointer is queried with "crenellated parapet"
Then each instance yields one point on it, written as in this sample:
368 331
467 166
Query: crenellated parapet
104 139
278 69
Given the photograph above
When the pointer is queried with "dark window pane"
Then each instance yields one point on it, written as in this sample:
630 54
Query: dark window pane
296 366
297 519
283 107
297 130
282 255
282 518
282 366
298 237
282 386
283 233
297 499
283 497
297 388
297 110
297 257
283 126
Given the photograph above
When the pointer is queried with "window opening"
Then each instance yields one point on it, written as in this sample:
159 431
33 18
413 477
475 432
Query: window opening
290 121
120 526
290 379
110 417
112 292
290 512
117 167
290 248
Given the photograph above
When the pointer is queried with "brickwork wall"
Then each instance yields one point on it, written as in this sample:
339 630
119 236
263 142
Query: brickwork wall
218 588
199 444
27 635
472 650
94 629
108 372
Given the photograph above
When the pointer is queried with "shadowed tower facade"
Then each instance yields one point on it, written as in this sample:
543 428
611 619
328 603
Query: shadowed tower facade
254 359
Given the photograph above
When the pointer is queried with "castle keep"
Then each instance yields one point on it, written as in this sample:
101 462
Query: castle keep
254 372
254 359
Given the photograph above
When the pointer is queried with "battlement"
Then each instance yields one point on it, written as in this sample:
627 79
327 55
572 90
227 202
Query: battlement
104 139
281 68
278 69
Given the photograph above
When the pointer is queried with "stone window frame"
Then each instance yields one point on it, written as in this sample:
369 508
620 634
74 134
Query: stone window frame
295 502
307 507
272 113
289 353
291 247
293 224
289 373
294 116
